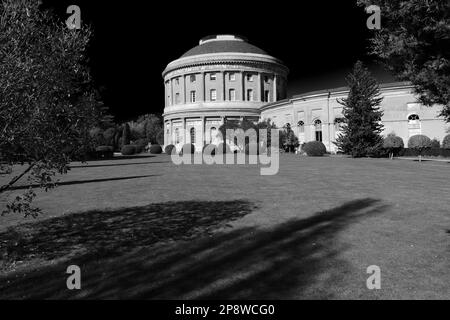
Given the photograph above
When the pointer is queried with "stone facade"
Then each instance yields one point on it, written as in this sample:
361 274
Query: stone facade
225 77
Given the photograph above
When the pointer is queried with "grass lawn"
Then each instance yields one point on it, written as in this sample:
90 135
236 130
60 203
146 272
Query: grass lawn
145 228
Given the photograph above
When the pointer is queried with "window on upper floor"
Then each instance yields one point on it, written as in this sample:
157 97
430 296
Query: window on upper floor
232 76
212 76
177 81
249 77
193 96
192 77
177 98
213 95
413 117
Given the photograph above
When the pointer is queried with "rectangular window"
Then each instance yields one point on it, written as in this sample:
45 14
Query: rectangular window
232 77
266 96
177 81
192 96
249 77
232 95
177 98
213 77
266 79
213 95
192 78
249 95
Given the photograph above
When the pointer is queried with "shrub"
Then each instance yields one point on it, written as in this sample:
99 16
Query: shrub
188 148
104 152
314 148
169 148
419 143
393 144
128 150
155 149
435 144
223 148
211 147
446 142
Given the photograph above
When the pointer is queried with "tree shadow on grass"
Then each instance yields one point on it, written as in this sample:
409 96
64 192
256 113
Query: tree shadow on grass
125 254
73 182
116 164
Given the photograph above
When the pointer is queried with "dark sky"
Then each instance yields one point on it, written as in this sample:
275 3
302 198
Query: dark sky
134 41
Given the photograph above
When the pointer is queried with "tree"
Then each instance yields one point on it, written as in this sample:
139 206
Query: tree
47 101
126 134
414 43
288 139
419 143
362 127
393 144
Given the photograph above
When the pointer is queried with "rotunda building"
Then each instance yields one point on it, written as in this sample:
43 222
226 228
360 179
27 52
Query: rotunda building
224 78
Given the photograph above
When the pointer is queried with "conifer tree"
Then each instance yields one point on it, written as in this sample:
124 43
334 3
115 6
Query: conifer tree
360 135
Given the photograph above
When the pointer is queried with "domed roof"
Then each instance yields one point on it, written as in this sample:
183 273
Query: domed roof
223 44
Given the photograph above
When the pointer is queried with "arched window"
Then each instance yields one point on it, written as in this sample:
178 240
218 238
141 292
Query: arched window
414 125
192 132
301 126
318 130
177 136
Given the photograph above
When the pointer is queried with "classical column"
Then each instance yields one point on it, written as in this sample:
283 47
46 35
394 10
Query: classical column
274 88
202 87
203 132
171 92
243 85
224 91
259 89
183 89
184 131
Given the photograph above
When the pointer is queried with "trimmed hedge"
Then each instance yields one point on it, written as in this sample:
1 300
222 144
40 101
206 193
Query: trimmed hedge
169 148
314 149
392 144
155 149
104 152
408 152
128 150
419 141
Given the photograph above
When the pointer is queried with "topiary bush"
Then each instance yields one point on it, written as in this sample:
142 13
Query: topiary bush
104 152
314 149
419 143
393 145
169 148
188 148
223 148
435 144
155 149
446 142
128 150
